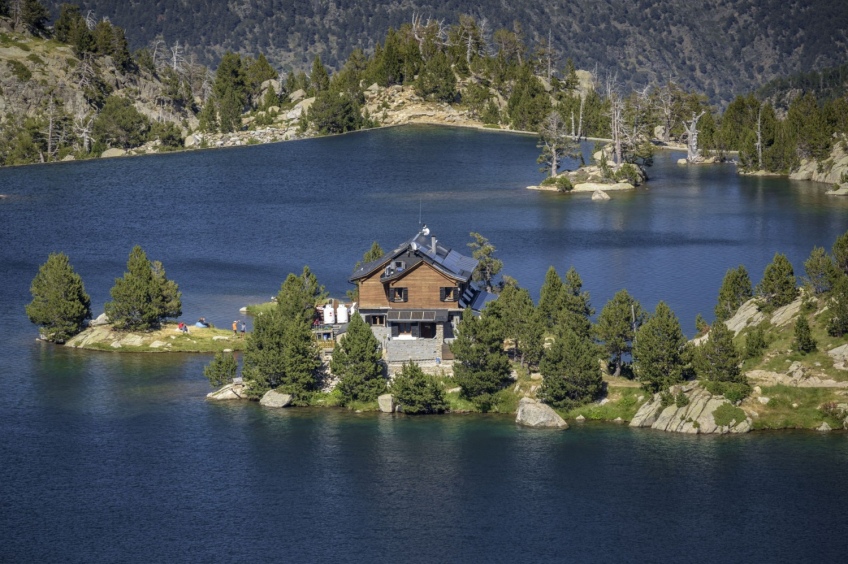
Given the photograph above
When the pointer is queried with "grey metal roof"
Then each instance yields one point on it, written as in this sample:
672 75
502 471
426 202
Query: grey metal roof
432 251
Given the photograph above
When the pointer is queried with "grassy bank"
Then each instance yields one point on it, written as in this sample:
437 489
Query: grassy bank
166 339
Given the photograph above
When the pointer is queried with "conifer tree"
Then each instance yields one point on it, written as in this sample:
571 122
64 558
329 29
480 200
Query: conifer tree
840 252
319 79
487 266
137 298
59 303
755 343
617 324
821 272
519 322
170 303
481 367
659 350
576 307
804 341
735 291
570 371
550 297
357 362
374 253
280 352
436 80
208 117
837 324
417 392
221 370
717 359
777 287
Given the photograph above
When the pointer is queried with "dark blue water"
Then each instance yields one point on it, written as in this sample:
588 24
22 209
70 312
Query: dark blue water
110 457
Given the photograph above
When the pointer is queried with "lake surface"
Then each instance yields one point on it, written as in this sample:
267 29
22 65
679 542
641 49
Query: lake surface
107 457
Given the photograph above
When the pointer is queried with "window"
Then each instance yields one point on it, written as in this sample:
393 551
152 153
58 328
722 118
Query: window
428 331
405 329
398 295
378 320
449 294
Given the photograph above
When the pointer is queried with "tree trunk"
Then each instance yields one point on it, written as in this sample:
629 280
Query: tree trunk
760 139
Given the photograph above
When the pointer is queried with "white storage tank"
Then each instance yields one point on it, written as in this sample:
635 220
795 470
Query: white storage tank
329 314
341 314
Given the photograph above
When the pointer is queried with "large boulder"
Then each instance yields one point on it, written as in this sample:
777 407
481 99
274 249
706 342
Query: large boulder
273 398
531 413
108 153
234 391
386 403
600 195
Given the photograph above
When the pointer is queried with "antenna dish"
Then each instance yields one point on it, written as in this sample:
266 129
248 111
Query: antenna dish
425 231
413 246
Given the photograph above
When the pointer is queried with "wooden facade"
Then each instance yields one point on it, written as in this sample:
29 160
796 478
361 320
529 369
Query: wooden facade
423 287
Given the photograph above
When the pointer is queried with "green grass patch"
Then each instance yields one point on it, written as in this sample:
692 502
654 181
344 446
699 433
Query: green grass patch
624 403
457 404
725 414
259 309
326 399
779 413
36 59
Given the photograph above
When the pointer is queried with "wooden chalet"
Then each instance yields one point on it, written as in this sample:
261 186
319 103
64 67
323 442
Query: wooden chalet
414 296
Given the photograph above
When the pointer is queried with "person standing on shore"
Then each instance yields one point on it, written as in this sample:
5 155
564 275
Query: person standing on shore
243 328
235 328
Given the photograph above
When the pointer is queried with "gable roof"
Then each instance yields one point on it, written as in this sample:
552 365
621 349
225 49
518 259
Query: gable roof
424 248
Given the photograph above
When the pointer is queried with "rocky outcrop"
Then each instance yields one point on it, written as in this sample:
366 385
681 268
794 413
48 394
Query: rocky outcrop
386 402
697 417
796 376
532 413
109 153
839 356
600 196
234 391
832 170
273 398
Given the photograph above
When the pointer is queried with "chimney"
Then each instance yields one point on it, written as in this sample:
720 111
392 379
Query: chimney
434 245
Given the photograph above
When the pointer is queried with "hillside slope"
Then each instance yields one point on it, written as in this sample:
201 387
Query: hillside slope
720 47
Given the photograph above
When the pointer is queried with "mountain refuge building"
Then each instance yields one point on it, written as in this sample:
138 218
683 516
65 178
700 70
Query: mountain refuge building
413 297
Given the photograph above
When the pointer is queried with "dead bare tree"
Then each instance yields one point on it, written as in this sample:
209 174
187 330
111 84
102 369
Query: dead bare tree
616 114
666 101
555 143
177 58
691 127
431 31
83 124
471 35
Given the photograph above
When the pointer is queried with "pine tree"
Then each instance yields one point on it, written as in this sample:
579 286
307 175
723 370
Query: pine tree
550 297
777 287
804 341
617 324
137 297
840 252
735 291
487 265
208 117
571 376
576 309
755 343
717 359
481 367
837 324
170 296
280 352
59 303
417 392
221 370
319 80
519 322
436 80
357 362
374 253
659 350
820 270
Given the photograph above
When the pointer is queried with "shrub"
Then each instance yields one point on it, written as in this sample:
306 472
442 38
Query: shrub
418 392
725 414
627 173
804 341
221 370
563 184
20 71
733 391
756 342
681 400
